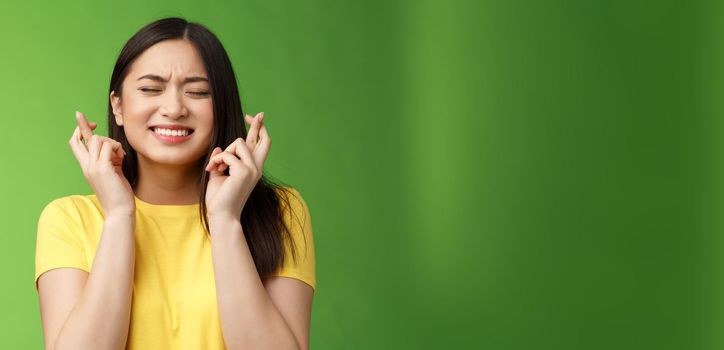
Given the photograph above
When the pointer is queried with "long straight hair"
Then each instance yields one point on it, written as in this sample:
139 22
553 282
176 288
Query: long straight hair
262 216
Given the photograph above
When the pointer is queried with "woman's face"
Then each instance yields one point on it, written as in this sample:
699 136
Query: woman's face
165 106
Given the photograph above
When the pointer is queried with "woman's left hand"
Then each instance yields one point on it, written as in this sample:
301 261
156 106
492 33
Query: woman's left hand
227 194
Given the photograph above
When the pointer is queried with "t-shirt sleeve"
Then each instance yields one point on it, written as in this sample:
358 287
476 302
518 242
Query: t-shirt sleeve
58 243
299 222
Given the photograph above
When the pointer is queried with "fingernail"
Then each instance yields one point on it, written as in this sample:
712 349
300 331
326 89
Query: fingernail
77 114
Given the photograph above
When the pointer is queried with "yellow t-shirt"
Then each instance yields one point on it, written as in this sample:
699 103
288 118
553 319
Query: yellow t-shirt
174 295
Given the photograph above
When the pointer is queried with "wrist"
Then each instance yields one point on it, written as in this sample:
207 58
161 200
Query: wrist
121 215
220 220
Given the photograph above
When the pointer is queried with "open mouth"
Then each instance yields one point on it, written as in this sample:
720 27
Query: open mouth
172 132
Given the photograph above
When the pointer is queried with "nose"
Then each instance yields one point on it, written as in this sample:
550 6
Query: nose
172 105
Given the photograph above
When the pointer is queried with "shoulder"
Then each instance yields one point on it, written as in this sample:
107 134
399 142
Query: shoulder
295 215
299 257
292 204
290 197
72 207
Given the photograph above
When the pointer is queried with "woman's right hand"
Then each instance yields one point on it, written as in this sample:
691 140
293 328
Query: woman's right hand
101 158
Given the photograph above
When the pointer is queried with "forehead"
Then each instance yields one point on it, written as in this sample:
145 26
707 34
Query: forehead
170 58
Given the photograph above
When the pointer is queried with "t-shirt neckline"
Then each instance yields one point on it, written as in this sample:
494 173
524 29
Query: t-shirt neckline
174 209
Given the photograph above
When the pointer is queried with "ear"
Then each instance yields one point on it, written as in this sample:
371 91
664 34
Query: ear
116 105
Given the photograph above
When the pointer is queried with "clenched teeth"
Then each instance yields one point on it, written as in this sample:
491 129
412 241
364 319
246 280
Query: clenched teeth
167 132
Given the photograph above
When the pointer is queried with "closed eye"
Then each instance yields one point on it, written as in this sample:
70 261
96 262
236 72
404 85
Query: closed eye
197 93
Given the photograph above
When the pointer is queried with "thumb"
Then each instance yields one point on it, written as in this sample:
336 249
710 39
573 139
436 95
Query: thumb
215 171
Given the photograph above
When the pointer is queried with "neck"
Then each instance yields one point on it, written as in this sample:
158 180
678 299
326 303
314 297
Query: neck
167 184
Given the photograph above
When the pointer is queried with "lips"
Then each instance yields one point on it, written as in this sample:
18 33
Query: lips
172 128
171 134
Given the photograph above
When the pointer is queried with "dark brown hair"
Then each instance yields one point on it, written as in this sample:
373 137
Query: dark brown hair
262 217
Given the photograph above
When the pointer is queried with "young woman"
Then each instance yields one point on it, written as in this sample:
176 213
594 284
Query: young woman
185 244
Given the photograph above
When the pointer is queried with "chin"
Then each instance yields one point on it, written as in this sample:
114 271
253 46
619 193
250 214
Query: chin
172 158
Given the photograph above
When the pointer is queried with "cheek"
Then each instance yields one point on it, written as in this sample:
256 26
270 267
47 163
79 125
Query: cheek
135 107
204 115
203 110
136 113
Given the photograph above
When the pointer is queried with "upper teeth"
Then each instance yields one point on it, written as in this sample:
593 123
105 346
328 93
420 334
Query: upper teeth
168 132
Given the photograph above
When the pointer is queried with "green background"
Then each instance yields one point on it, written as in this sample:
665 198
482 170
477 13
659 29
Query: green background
508 174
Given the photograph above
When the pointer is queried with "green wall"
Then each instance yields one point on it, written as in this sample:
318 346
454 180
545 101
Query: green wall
481 174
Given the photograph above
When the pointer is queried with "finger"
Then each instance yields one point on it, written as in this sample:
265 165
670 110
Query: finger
105 153
262 148
94 148
85 129
215 170
226 158
75 136
253 135
221 167
241 151
232 145
116 158
214 152
239 142
214 173
118 152
79 150
231 160
118 148
213 159
115 144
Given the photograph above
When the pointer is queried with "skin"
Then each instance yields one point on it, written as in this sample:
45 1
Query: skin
272 313
167 173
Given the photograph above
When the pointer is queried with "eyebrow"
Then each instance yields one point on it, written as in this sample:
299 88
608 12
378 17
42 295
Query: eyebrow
160 79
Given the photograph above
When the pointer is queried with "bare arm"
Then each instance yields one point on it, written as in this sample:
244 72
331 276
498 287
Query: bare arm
251 318
92 311
255 314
